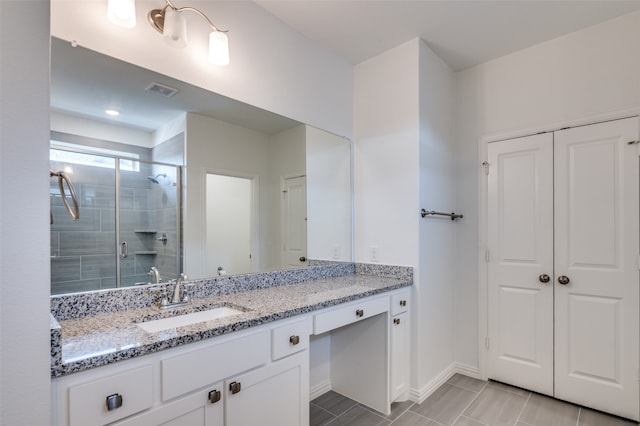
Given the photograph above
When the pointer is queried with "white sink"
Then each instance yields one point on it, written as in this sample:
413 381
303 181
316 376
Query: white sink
188 319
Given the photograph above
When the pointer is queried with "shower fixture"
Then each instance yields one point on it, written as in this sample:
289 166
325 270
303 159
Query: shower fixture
154 179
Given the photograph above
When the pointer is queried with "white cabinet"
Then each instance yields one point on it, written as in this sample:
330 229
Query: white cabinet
369 353
277 394
399 346
249 377
192 385
110 398
200 409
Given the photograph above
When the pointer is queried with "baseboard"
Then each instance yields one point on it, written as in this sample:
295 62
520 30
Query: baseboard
419 395
319 389
467 370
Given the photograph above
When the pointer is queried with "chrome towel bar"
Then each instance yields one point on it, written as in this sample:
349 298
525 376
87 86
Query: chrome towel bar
453 216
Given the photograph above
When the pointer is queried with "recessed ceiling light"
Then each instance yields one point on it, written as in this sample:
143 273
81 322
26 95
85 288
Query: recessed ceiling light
112 112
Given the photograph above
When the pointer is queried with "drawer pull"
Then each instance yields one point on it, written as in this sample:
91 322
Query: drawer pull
234 387
294 340
214 396
396 321
403 303
360 313
114 401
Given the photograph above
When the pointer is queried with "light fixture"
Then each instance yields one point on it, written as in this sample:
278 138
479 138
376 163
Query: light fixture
171 23
112 112
122 12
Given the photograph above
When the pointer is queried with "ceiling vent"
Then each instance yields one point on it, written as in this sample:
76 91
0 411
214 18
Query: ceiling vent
161 89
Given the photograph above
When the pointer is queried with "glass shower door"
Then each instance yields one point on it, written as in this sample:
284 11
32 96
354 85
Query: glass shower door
83 251
148 202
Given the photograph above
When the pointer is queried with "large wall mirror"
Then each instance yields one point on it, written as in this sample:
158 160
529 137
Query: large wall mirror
183 180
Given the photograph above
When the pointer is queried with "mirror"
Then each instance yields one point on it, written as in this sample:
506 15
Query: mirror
297 179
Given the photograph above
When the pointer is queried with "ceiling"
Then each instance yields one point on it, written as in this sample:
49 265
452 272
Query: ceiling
84 83
462 33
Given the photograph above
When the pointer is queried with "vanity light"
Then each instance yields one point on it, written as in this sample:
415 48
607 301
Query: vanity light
171 23
122 12
112 112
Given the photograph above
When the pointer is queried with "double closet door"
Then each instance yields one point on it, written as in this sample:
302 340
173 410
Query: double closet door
563 274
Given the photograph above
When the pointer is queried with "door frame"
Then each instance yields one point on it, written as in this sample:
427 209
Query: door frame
483 270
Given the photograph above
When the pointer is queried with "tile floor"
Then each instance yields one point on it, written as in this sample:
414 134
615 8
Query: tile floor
463 401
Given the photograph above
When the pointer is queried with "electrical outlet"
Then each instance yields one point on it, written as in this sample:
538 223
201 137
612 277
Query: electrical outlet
335 252
374 254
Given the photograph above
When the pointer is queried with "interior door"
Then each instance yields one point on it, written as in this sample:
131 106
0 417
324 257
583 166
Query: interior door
229 209
294 221
596 266
520 268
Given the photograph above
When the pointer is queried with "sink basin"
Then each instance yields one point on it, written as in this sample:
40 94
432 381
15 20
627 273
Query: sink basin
154 326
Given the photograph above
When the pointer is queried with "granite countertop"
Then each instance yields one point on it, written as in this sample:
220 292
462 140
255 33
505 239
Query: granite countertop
91 341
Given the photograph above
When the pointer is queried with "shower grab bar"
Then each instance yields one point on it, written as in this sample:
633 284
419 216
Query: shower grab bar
63 177
453 216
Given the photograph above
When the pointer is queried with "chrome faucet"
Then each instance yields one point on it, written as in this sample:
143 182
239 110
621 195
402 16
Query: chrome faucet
178 298
176 290
155 275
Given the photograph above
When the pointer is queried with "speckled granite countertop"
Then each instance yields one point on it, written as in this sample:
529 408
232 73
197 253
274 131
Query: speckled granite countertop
102 338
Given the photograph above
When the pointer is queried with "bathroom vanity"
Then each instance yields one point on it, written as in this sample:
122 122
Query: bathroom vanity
246 367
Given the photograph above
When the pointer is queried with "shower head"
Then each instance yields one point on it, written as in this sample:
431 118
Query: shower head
154 179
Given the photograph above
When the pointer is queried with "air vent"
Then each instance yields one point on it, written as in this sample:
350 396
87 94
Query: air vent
161 89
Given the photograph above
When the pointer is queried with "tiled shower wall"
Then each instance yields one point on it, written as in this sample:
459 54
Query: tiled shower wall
83 252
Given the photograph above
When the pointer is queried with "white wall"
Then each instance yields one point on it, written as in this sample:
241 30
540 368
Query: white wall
434 333
61 122
271 67
403 139
328 178
24 213
386 133
287 159
213 145
586 75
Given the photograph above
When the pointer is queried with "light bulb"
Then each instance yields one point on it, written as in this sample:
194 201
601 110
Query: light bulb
218 48
122 13
175 28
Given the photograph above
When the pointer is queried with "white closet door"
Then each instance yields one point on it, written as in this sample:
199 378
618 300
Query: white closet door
520 232
596 248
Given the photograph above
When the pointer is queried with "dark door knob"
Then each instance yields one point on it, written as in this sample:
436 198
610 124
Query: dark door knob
544 278
303 259
563 279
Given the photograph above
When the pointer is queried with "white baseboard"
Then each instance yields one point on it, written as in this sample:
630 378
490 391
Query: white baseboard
319 389
467 370
419 395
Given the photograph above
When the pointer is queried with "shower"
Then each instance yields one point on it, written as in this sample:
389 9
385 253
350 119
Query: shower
154 179
128 226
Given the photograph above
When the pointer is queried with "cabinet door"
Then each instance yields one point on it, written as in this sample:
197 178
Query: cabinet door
400 357
193 410
596 222
277 394
520 280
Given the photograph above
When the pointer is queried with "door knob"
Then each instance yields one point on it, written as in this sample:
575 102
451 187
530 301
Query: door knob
303 259
544 278
563 279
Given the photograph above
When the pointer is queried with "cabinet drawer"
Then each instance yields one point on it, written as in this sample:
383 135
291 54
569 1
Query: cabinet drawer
193 370
399 303
290 339
88 402
360 310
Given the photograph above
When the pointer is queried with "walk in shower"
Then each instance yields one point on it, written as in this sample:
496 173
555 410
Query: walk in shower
130 222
